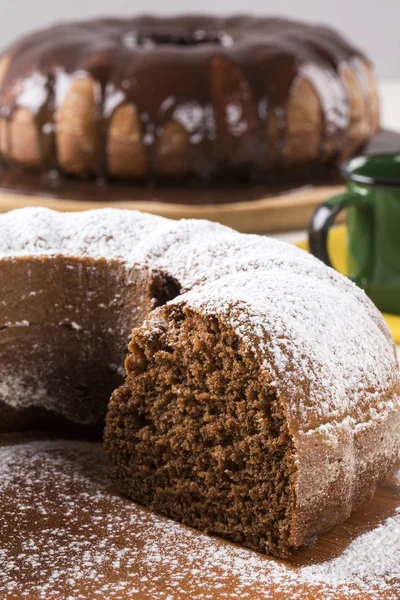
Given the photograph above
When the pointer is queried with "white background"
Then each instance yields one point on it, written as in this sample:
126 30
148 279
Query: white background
372 24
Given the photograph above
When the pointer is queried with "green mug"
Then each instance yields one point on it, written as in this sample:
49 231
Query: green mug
372 201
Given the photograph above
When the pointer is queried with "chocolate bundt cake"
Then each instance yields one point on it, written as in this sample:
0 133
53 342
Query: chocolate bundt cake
154 98
261 400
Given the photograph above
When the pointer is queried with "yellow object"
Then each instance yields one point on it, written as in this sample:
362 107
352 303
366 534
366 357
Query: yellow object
337 246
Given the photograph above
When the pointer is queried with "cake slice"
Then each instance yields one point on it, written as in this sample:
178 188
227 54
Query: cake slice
251 411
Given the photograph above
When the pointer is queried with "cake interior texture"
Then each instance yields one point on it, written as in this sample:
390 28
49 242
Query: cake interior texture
197 433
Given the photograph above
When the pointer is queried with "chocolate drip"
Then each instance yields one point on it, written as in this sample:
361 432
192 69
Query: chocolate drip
46 128
162 68
189 192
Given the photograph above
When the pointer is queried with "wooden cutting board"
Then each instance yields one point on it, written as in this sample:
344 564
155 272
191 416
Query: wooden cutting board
65 534
262 215
250 209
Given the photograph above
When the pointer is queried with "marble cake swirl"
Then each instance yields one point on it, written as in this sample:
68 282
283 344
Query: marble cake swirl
158 98
249 358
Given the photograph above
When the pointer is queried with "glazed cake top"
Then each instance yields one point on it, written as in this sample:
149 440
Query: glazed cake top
322 342
162 67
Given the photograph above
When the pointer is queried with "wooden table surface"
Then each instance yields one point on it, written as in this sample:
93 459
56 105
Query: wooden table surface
168 561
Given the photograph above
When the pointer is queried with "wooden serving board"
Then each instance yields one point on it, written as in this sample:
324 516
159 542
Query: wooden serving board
65 533
265 214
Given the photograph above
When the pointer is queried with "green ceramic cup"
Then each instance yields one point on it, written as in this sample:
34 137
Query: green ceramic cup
372 201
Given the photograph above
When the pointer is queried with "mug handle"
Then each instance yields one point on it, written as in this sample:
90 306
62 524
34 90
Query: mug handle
322 220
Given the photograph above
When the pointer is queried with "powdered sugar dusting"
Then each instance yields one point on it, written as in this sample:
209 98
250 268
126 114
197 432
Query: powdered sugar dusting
308 331
65 534
101 234
371 561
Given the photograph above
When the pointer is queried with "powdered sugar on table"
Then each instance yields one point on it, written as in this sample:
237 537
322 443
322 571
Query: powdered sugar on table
66 535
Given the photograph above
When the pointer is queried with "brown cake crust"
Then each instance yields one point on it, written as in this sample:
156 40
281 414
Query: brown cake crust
186 96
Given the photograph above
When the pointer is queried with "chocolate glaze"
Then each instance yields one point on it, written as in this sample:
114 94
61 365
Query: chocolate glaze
162 66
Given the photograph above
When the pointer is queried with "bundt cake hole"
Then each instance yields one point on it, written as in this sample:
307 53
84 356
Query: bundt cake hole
193 38
164 288
197 433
